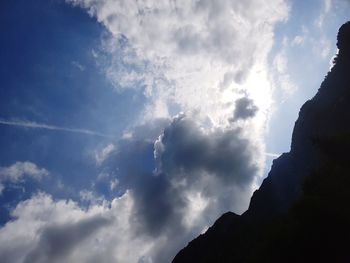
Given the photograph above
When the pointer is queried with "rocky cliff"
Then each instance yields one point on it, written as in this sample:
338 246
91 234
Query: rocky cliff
304 196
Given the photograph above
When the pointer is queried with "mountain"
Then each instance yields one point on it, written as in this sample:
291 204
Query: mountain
301 212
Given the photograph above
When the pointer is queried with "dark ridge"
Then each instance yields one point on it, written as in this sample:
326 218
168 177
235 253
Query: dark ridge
301 211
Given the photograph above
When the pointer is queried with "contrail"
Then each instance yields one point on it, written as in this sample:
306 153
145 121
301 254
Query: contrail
35 125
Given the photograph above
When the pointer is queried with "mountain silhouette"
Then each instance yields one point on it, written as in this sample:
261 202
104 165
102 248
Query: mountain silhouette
301 212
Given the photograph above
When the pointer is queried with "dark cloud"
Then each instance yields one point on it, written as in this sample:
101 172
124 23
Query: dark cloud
177 183
186 150
244 109
157 204
184 161
57 241
155 201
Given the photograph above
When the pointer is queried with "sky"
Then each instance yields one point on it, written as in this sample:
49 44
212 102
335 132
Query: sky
128 127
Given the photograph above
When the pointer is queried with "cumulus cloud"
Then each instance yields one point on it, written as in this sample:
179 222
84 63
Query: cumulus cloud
44 230
195 176
196 57
58 241
191 56
173 176
185 148
182 182
169 191
182 52
18 171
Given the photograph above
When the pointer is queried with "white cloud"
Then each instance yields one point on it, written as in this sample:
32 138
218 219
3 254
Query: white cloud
298 40
197 57
280 62
181 51
113 184
192 56
327 6
200 174
19 170
44 230
282 77
101 155
90 197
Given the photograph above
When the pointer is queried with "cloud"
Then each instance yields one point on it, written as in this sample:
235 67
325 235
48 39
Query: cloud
181 183
44 230
281 75
34 125
280 62
157 205
244 109
196 57
100 156
184 148
180 53
18 171
148 131
327 6
56 242
169 191
174 179
298 40
175 176
191 56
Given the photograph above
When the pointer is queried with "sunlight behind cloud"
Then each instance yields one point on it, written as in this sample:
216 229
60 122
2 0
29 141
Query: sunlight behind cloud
187 54
196 62
129 126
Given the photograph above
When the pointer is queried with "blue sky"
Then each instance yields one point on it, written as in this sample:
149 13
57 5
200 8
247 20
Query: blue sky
148 118
49 76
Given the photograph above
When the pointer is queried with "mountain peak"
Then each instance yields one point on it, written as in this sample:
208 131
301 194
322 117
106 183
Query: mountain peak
343 40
